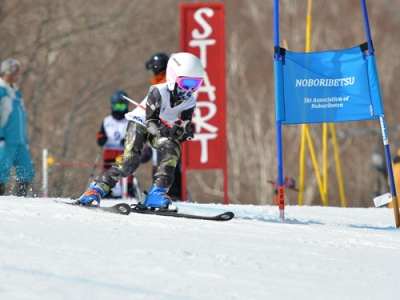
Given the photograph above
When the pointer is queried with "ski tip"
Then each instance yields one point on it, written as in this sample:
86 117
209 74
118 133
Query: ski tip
226 216
124 208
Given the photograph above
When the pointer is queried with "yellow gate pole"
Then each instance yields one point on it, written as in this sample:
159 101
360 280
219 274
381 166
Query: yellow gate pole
305 136
338 167
302 167
315 164
325 162
323 185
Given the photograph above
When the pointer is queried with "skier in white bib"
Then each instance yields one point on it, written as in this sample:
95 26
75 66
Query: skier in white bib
165 123
111 138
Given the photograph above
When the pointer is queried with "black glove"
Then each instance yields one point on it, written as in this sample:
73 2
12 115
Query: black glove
188 128
101 139
176 132
122 142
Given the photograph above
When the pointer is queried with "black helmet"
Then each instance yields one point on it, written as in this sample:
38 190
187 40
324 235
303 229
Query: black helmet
117 100
157 63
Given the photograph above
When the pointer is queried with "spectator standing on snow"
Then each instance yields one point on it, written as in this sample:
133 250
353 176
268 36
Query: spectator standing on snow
112 137
158 64
14 148
165 124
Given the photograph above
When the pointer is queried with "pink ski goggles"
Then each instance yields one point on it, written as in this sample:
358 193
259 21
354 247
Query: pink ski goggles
189 83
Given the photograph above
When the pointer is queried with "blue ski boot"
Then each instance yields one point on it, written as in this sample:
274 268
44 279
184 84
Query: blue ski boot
93 195
158 198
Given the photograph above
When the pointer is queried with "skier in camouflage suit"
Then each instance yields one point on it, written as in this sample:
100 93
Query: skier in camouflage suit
165 124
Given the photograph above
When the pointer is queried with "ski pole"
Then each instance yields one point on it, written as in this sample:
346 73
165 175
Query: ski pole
133 102
144 108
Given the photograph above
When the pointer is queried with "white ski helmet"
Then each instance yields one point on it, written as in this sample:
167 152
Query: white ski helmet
183 64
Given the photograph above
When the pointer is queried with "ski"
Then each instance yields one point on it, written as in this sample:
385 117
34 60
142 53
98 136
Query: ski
120 208
225 216
126 209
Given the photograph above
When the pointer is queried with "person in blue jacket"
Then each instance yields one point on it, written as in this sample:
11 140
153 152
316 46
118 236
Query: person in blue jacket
14 148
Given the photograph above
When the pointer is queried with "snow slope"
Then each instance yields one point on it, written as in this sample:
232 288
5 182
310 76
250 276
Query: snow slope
54 251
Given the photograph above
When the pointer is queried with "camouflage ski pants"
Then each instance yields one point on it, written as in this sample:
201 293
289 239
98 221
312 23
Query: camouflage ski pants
135 139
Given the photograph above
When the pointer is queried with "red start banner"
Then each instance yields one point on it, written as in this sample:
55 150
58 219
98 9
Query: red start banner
203 34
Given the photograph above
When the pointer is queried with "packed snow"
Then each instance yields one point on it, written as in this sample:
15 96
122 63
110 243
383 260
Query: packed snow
54 251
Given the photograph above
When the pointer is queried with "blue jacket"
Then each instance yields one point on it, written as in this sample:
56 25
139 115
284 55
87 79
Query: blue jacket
12 115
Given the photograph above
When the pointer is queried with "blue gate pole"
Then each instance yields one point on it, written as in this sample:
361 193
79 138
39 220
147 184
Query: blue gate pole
385 137
277 58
